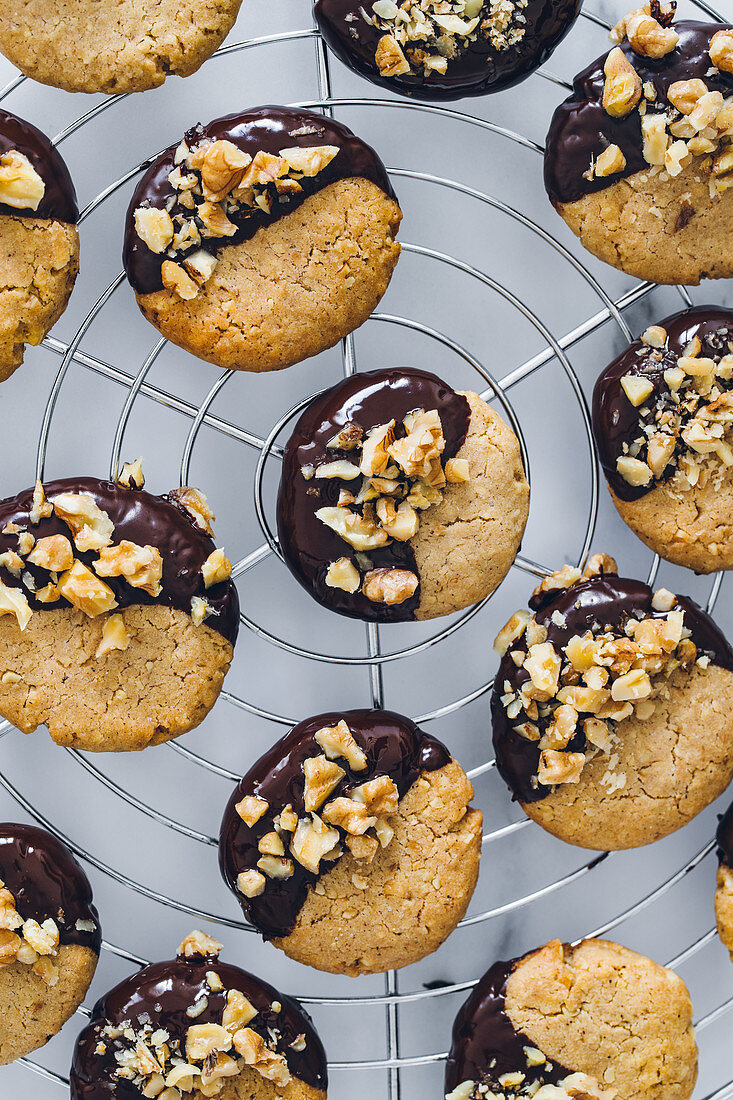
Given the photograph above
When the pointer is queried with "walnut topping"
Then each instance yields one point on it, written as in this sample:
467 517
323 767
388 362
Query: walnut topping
20 185
647 37
623 86
141 566
53 553
86 592
721 50
40 508
311 841
322 776
175 278
114 636
343 574
90 526
380 795
251 809
610 162
269 1064
338 741
201 610
199 943
216 568
154 228
389 586
251 883
131 475
29 942
561 578
197 506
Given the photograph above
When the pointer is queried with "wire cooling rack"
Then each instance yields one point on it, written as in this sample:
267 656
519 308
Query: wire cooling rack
494 294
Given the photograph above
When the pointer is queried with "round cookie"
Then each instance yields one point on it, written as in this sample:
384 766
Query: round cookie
118 616
724 890
39 241
202 1027
262 239
49 938
592 1020
350 845
638 158
129 46
612 709
468 47
661 413
400 498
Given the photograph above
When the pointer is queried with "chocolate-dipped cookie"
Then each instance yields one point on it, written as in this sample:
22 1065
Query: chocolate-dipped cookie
724 890
548 1025
49 938
118 616
662 414
350 845
196 1027
128 46
612 708
437 50
262 238
400 498
39 241
639 160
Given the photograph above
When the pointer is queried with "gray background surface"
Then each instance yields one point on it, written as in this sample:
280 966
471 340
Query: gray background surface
508 281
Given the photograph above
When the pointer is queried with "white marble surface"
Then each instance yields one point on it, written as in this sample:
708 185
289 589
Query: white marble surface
471 310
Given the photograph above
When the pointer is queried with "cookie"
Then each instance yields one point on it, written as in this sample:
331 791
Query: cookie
202 1027
661 412
129 46
39 241
639 160
612 708
400 498
262 238
350 845
724 891
49 938
118 616
592 1020
445 51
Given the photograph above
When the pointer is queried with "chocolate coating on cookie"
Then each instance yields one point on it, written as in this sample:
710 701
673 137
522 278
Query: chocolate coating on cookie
268 129
615 420
581 128
724 837
607 600
485 1043
366 400
159 995
47 882
394 746
59 199
481 68
141 518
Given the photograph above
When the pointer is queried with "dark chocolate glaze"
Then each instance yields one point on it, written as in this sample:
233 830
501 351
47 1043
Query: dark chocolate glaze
394 746
485 1042
142 518
580 127
610 601
615 420
46 881
724 837
159 995
482 68
59 200
269 129
368 399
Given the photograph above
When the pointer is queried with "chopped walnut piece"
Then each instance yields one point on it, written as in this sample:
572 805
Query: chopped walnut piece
48 594
201 609
154 228
561 729
389 586
685 94
338 741
200 265
176 278
623 85
141 566
309 160
400 522
561 578
647 37
543 665
654 336
598 564
663 600
53 553
610 162
348 814
340 468
322 776
633 470
86 592
343 574
659 451
560 767
268 1063
511 631
40 508
114 636
311 841
271 844
222 166
631 686
199 943
721 50
389 58
251 883
205 1039
216 568
251 809
131 475
380 795
197 506
20 185
276 866
362 847
418 453
9 945
374 454
457 470
90 526
360 533
637 388
239 1011
656 139
43 938
12 562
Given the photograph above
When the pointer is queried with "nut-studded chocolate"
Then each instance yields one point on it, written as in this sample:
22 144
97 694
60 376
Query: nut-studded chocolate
34 180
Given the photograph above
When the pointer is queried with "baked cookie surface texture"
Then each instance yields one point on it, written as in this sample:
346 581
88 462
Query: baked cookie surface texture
262 238
350 844
118 616
611 710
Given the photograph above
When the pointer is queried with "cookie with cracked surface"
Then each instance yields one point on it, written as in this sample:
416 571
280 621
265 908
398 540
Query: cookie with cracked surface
118 616
49 938
661 413
198 1027
612 708
39 241
350 845
263 238
724 889
400 498
128 47
639 160
548 1024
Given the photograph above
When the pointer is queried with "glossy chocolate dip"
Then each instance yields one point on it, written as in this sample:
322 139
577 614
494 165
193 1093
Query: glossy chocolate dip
268 129
607 600
581 129
394 746
367 400
481 68
59 199
615 420
141 518
724 837
47 882
159 995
